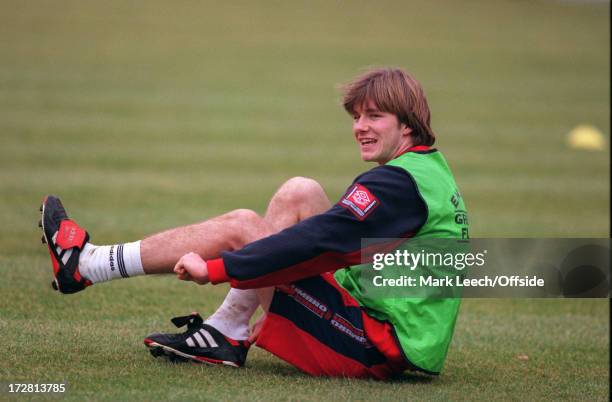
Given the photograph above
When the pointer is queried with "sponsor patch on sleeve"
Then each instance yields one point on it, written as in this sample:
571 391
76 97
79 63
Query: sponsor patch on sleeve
360 201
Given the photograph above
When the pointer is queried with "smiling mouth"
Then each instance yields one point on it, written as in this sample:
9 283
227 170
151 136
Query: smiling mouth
368 141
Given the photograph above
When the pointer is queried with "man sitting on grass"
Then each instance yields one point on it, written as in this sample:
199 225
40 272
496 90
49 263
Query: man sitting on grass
299 262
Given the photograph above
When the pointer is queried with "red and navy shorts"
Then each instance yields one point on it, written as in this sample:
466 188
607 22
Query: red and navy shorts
317 326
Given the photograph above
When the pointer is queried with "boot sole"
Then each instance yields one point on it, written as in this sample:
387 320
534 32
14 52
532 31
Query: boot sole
159 350
41 224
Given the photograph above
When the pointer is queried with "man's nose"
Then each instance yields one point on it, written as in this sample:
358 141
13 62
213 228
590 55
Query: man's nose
360 124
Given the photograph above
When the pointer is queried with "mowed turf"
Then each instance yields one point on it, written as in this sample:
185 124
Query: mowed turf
144 116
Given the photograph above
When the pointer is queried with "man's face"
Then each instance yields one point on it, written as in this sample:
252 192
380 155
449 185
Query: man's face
381 137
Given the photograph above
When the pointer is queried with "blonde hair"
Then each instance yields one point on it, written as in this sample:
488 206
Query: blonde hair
394 91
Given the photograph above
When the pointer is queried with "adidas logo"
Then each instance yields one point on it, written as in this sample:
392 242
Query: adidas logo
197 340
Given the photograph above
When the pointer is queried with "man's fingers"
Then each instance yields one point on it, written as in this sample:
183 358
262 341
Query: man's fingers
181 272
256 329
179 268
184 276
191 267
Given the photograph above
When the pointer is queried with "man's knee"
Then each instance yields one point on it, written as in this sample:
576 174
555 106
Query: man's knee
245 215
248 225
299 190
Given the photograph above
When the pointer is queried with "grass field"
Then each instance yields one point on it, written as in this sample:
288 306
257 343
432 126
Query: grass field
148 115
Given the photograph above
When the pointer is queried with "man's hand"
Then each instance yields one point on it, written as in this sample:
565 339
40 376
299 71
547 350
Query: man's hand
256 329
191 267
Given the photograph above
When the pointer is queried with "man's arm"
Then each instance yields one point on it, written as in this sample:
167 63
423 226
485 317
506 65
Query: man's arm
383 202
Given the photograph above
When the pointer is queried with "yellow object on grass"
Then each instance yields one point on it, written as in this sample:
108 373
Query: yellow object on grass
586 137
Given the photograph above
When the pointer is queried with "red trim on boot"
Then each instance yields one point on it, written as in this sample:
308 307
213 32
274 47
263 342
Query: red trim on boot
70 235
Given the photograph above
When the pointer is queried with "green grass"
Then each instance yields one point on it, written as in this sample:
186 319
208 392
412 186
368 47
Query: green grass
93 340
148 115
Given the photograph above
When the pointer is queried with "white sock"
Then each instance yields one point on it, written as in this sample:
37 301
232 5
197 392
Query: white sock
233 316
104 263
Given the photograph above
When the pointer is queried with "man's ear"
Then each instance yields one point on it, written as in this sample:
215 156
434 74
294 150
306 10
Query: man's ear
405 129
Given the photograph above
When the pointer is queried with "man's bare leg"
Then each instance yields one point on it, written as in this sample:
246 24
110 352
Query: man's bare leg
296 200
157 254
231 231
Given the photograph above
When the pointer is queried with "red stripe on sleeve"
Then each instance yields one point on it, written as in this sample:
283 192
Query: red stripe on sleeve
216 271
325 262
